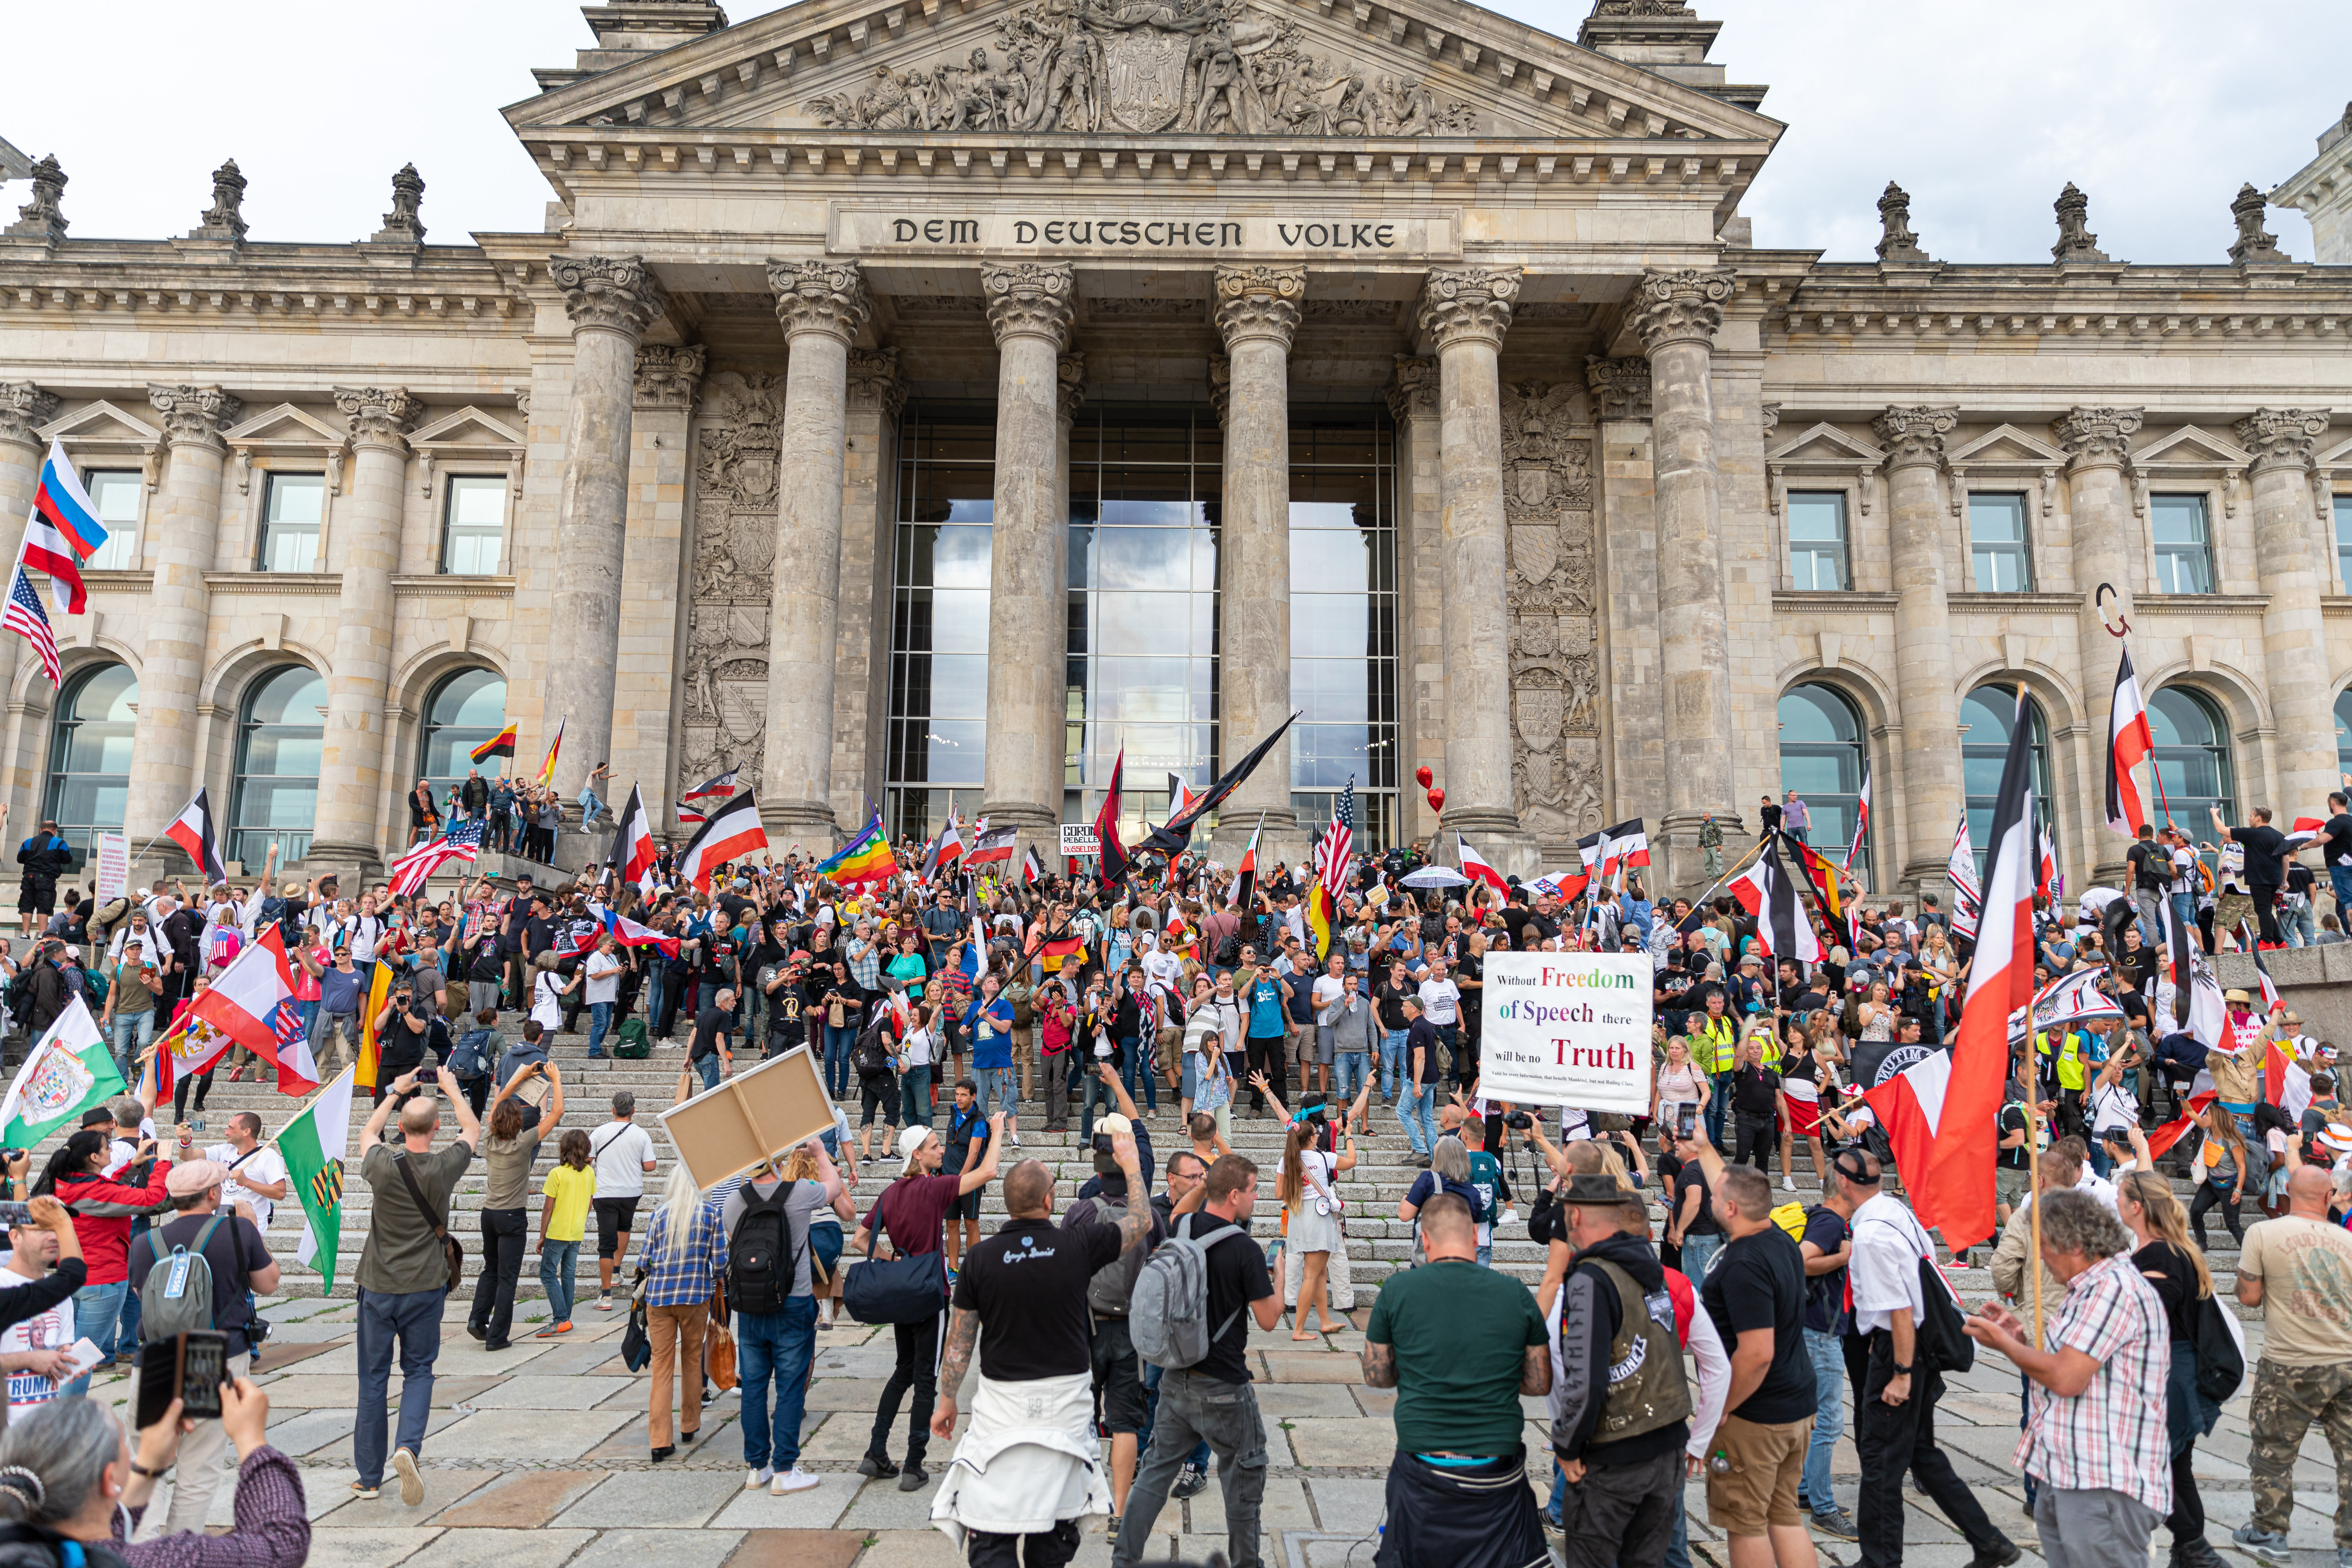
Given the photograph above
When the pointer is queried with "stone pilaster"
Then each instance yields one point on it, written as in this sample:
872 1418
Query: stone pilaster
612 300
1411 396
2290 555
861 684
2107 548
1258 310
1675 315
1029 308
24 410
1628 531
1463 315
183 535
365 545
663 398
822 306
1924 678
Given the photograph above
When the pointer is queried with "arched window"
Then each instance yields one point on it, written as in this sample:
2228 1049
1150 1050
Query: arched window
2192 759
89 753
2344 733
1986 720
1823 759
464 711
279 733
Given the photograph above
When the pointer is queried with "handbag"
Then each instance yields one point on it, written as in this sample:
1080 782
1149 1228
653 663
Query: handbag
721 1343
451 1245
637 1340
897 1290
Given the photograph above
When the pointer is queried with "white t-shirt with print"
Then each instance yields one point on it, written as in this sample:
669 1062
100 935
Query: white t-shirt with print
52 1330
265 1165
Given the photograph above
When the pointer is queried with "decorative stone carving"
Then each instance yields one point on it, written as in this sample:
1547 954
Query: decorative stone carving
1468 304
2076 241
2097 437
1069 385
1031 299
1141 66
1683 305
44 216
614 293
24 410
1641 8
1898 243
379 416
401 225
1382 310
2254 244
827 297
1412 388
667 377
875 384
1221 387
2282 438
225 219
1620 387
1556 698
1259 301
1915 433
1772 415
723 716
522 401
195 416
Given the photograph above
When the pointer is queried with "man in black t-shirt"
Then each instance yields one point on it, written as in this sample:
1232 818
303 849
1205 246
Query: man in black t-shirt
710 1053
2265 866
1756 1296
2335 850
1213 1399
1757 1107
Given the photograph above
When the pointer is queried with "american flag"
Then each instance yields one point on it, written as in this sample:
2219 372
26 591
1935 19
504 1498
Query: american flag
287 1026
462 842
26 618
1333 853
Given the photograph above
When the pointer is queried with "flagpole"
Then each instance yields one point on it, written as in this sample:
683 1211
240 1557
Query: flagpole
2034 1148
1719 881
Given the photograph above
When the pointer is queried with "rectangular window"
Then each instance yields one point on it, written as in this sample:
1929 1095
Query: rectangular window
291 510
474 526
1997 544
1817 551
2344 543
2184 544
118 494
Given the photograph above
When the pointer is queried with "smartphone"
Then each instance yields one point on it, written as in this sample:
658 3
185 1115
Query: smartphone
14 1215
1686 1123
189 1366
1273 1251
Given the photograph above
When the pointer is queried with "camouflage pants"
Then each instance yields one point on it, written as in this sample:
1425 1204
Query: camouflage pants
2287 1400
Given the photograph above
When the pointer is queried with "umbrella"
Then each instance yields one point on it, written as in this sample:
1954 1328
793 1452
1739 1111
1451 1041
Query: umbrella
1435 877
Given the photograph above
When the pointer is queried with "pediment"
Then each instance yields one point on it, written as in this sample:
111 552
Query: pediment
102 421
2189 446
468 426
2342 454
1290 68
285 425
2006 444
1825 443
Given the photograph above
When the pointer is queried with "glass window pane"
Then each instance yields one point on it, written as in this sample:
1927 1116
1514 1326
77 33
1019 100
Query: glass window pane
1336 691
1326 560
89 752
1997 519
2343 545
2178 520
281 735
1144 558
297 498
1823 759
117 495
1330 625
1817 515
464 711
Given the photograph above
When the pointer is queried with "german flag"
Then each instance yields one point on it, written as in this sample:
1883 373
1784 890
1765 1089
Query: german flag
501 744
1067 950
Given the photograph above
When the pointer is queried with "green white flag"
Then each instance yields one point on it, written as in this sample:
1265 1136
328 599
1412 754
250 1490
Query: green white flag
67 1071
312 1147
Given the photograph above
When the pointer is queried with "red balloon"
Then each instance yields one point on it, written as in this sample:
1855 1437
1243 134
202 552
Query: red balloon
1437 801
1422 776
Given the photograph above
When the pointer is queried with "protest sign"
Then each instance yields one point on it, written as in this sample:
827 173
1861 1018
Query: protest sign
1078 840
113 870
1568 1028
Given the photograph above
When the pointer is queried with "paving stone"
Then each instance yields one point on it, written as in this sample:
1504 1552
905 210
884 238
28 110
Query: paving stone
849 1394
531 1435
913 1548
880 1505
1310 1366
798 1549
660 1549
651 1500
385 1511
505 1548
1342 1501
340 1449
819 1508
366 1548
1284 1508
527 1500
284 1350
1333 1442
1300 1400
534 1393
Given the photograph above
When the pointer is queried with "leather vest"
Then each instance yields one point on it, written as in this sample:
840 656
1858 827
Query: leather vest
1647 1387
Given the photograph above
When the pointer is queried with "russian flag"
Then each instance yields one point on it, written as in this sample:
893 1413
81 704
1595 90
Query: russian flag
64 530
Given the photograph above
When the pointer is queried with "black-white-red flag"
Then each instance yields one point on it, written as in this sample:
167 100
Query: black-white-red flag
633 845
192 830
1768 893
1032 868
2129 742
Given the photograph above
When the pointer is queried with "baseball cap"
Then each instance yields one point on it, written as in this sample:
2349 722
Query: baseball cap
193 1176
909 1141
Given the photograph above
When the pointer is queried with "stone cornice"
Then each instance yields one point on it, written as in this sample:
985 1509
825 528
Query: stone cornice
1031 299
1259 302
828 298
294 585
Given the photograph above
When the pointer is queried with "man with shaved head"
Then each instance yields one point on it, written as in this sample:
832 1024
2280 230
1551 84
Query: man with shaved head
2298 1270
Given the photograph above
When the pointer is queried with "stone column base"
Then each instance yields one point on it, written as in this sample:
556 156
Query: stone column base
1928 877
1033 826
808 825
1677 864
357 866
1495 834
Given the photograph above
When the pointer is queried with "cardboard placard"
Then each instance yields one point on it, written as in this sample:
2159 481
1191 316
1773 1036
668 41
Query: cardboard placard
754 1116
1568 1028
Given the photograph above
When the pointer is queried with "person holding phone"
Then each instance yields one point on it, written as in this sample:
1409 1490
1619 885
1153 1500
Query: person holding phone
45 1268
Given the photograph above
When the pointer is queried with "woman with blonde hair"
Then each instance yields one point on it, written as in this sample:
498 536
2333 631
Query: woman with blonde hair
684 1249
2221 1169
1311 1215
2145 1201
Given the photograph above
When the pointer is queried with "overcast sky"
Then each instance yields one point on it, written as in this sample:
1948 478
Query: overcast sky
2158 108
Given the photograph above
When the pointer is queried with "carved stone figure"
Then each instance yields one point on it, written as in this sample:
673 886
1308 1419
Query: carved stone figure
2076 241
723 714
401 225
43 218
1548 506
2253 243
1898 243
225 219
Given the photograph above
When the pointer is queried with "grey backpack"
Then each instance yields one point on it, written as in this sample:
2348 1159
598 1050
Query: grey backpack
178 1292
1168 1310
1111 1291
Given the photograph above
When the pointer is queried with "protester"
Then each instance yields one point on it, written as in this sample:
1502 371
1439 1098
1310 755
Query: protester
1827 1246
101 1208
766 1219
45 1268
2304 1374
566 1194
508 1151
684 1256
624 1152
1755 1294
1313 1218
2178 1272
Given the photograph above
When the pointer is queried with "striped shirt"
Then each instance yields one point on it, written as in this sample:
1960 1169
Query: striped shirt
2112 1436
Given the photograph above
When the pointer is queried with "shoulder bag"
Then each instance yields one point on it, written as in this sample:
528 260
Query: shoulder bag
908 1290
637 1340
451 1247
721 1342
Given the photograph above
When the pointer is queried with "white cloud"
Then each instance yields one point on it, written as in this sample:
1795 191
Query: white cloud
2158 108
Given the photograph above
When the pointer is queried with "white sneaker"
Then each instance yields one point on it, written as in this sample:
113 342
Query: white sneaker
1787 1183
1510 1217
1016 1140
753 1481
792 1480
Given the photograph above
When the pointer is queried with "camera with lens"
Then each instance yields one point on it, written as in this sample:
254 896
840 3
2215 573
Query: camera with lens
1517 1121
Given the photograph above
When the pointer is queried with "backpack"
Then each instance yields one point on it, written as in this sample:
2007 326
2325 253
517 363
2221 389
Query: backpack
2220 1352
762 1255
1229 952
471 1057
874 1052
1168 1306
183 1298
1112 1287
94 986
629 1042
1943 1341
1791 1218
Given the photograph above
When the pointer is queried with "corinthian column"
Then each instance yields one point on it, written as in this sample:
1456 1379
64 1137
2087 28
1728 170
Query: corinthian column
181 540
822 306
611 300
1932 793
24 410
1256 315
2289 556
1029 555
2097 442
1463 315
366 550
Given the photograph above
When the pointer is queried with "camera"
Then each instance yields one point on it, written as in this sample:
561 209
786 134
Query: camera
1517 1121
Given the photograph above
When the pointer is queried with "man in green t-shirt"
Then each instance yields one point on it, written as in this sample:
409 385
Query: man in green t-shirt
1460 1344
1486 1176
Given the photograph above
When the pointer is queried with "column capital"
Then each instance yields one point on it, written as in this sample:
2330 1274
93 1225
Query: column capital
1681 305
1413 387
24 410
823 297
2282 438
1030 300
875 384
1221 388
608 293
1914 433
380 416
1620 387
195 416
1069 386
1466 304
2097 437
1259 301
667 377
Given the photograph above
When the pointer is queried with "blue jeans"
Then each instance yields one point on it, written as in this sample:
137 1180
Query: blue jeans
1716 1104
600 1018
1417 1114
132 1033
1828 1418
1148 1091
838 1044
779 1346
1698 1251
2339 878
1348 1075
997 1086
709 1067
656 987
97 1309
1450 1037
915 1096
414 1318
1392 1062
2184 906
2300 927
1093 1089
557 1263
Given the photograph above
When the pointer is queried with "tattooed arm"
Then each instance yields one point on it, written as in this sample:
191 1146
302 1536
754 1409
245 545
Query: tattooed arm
963 1332
1380 1366
1535 1370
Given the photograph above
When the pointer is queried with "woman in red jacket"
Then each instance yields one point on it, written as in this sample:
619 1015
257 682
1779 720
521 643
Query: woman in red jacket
101 1210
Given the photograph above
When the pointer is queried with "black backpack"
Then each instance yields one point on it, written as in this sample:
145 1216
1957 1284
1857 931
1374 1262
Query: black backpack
1229 952
2220 1365
874 1051
1943 1341
762 1258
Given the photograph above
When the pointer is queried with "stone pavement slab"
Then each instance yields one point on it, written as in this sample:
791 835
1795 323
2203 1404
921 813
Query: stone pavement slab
798 1549
505 1548
913 1548
659 1549
1342 1501
880 1505
1284 1508
386 1513
651 1500
364 1548
531 1392
849 1394
1304 1399
531 1435
819 1508
632 1441
340 1451
281 1352
526 1500
1337 1441
1311 1366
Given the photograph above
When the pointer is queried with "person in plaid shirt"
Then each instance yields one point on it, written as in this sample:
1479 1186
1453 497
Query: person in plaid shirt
2094 1434
685 1253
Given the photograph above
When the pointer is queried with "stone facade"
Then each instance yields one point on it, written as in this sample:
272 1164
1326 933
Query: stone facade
766 240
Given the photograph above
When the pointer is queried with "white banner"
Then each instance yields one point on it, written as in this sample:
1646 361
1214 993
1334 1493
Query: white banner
1079 839
113 865
1568 1028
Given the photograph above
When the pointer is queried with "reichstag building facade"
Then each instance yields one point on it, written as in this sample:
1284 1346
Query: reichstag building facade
917 402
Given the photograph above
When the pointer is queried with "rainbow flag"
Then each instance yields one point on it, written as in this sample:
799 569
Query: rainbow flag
865 858
547 768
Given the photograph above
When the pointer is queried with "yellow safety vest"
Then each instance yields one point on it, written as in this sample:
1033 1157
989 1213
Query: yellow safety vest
1721 1037
2069 1058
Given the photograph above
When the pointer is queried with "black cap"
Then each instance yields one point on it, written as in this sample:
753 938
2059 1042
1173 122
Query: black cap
1596 1190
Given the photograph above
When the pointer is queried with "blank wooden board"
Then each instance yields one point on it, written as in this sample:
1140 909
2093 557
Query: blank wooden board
751 1117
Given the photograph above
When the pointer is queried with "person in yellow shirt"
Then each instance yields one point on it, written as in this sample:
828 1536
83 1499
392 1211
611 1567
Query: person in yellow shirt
562 1221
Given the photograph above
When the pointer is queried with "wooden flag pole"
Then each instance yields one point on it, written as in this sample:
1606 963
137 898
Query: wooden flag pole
2033 1183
